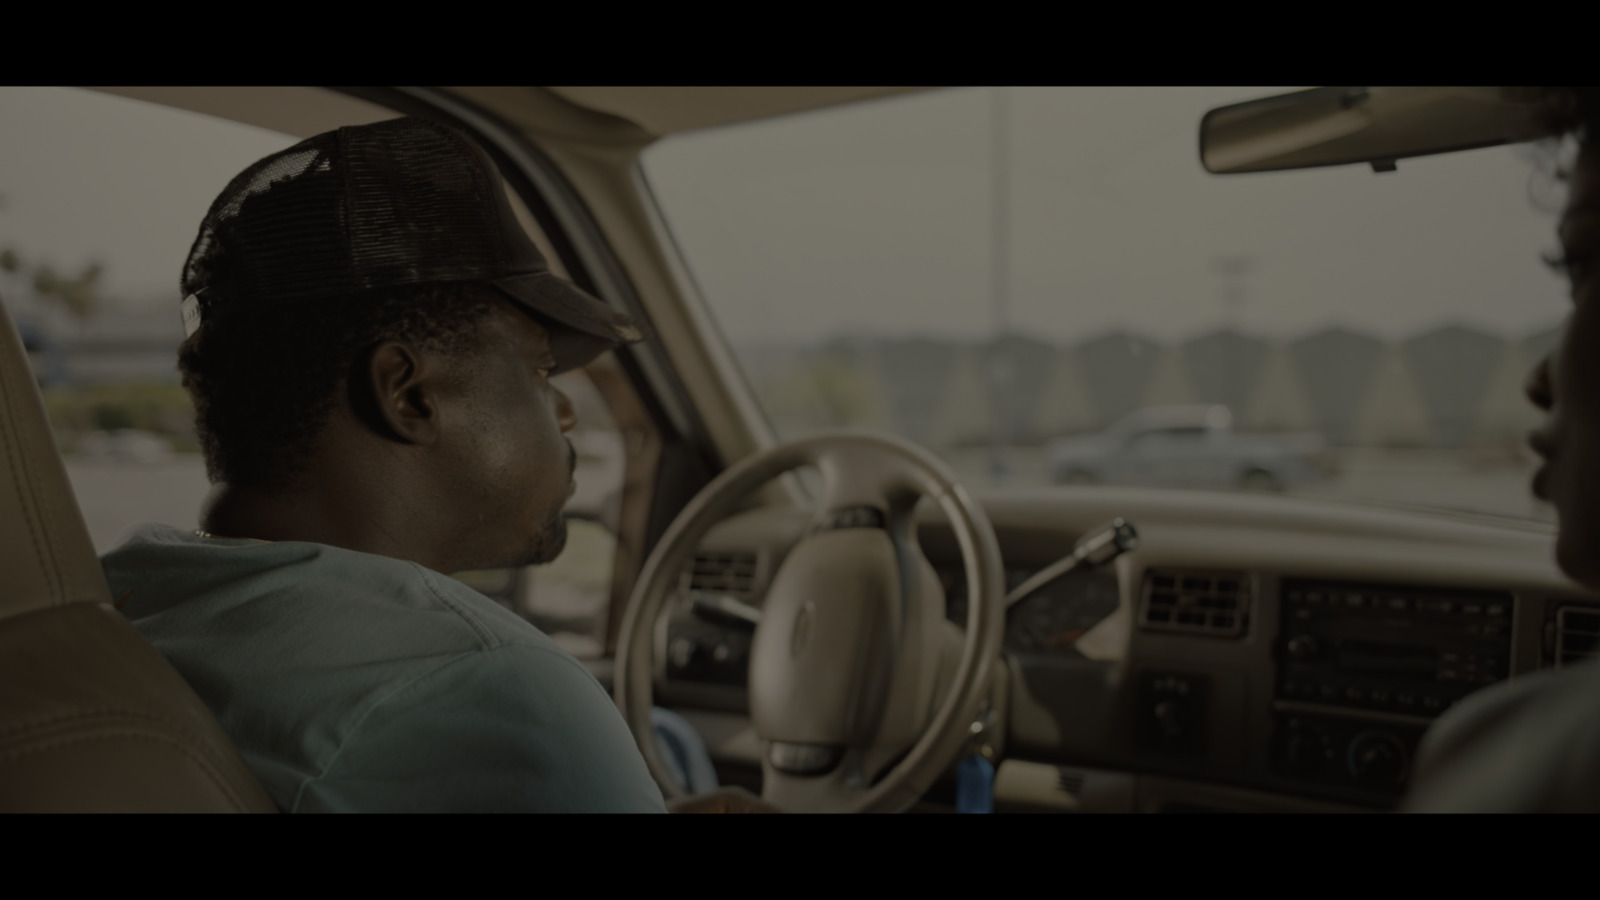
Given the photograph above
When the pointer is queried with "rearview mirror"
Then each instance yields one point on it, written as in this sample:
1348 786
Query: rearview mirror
1334 126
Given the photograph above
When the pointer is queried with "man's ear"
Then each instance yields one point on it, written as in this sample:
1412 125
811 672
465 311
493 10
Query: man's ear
395 390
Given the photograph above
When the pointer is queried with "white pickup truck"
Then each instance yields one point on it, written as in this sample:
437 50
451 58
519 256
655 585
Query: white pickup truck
1190 446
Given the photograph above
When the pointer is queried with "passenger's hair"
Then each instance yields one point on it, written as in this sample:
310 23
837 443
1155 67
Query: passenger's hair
1567 110
264 382
1571 116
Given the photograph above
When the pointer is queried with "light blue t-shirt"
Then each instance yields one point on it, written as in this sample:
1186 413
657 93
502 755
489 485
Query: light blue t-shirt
357 683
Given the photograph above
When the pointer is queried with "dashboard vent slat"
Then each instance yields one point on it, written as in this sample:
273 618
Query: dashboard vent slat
729 573
1577 635
1215 604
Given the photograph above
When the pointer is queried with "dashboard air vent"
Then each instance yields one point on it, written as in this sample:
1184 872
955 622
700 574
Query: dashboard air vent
1577 635
729 573
1202 603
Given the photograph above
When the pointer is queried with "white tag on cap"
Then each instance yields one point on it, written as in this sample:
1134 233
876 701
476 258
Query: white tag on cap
191 315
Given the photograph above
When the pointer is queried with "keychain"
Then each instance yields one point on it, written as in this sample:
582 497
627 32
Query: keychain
975 785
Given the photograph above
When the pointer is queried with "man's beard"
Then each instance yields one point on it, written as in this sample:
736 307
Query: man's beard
549 540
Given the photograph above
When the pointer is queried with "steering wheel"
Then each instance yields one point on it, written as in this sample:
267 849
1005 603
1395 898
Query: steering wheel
845 675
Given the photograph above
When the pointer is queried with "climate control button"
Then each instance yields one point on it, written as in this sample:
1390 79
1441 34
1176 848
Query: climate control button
1377 759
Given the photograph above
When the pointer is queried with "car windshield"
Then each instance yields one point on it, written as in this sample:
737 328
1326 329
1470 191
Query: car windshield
1021 278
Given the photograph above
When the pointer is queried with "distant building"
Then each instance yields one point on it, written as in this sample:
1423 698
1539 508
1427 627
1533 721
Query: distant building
113 346
1452 368
1116 371
1336 367
1452 386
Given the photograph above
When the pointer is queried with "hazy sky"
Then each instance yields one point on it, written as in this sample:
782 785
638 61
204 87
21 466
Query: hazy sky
876 217
86 176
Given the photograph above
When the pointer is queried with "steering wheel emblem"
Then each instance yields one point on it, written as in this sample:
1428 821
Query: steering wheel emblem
802 628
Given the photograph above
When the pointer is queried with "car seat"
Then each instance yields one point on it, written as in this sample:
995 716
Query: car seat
92 718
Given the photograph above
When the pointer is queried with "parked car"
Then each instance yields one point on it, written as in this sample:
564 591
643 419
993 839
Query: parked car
1190 446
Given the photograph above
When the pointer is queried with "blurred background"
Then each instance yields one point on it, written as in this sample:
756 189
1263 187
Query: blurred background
1040 284
1044 286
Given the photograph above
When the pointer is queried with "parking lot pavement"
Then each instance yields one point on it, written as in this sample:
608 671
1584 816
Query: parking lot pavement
116 494
1438 479
1451 482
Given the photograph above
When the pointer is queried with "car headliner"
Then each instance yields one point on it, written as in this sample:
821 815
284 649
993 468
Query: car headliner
647 112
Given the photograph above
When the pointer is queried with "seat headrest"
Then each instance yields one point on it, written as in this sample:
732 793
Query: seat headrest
46 556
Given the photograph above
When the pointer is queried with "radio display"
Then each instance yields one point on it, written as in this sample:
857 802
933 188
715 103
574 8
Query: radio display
1399 649
1395 660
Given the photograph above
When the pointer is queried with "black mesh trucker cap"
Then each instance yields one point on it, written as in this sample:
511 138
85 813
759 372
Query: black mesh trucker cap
400 202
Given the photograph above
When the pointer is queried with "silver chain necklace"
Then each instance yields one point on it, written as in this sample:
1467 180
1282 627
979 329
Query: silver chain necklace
217 537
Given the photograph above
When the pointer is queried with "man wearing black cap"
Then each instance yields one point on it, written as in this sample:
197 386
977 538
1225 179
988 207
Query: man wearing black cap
370 340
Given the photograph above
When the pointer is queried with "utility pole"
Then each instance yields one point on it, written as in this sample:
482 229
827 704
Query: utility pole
1000 369
1233 268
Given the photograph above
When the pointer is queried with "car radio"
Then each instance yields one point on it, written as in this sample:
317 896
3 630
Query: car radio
1378 663
1403 650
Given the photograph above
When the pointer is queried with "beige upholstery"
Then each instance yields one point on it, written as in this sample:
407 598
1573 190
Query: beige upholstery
92 718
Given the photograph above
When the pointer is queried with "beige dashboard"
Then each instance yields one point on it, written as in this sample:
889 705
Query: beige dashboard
1318 641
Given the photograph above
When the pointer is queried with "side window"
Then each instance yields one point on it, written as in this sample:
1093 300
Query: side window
100 200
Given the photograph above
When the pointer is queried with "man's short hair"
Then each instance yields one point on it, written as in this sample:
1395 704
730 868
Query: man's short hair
264 384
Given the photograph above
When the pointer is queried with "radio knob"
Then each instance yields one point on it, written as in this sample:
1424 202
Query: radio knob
1303 646
684 650
1377 758
1170 717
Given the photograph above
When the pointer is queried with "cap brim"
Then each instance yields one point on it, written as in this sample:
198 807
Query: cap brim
595 326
